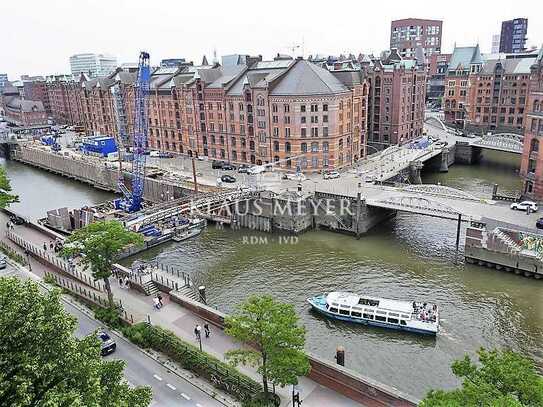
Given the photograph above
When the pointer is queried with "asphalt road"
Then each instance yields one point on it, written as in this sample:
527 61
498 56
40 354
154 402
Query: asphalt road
168 389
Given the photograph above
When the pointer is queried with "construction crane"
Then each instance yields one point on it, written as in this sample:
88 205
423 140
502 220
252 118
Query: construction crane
133 199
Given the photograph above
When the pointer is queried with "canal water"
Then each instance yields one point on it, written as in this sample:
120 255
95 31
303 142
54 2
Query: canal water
408 257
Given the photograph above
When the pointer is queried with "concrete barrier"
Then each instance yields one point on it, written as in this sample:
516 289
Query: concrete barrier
340 379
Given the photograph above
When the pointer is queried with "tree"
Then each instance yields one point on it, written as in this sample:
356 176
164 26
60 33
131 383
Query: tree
504 378
5 197
43 364
100 244
272 327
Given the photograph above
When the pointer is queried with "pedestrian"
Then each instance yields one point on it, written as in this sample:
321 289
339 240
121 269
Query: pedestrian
156 303
121 282
45 246
197 331
127 283
206 330
160 300
8 226
51 245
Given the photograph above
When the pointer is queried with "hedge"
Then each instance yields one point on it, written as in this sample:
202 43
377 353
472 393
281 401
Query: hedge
222 375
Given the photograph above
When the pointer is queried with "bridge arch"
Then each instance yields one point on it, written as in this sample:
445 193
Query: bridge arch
440 190
417 204
435 121
502 141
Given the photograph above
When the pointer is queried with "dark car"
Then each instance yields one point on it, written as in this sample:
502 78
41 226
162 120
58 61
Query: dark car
17 220
228 167
539 223
108 344
217 165
165 154
228 178
243 169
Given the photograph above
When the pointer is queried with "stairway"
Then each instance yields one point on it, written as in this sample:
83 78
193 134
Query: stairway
150 288
188 292
511 245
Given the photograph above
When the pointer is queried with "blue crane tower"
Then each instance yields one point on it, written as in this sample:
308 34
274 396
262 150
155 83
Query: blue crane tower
133 199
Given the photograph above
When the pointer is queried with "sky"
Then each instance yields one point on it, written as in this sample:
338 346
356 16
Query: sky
38 36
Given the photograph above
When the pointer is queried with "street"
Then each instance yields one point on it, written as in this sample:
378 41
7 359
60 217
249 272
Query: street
141 370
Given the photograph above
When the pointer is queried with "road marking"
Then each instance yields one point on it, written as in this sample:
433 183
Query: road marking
185 396
170 386
157 377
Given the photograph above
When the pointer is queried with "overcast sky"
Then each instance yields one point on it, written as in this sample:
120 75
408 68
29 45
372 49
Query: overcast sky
38 36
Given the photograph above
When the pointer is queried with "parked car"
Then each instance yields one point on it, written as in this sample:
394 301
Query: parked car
154 153
3 262
243 169
108 344
217 165
165 154
17 220
228 167
256 169
228 178
331 175
539 223
295 176
524 205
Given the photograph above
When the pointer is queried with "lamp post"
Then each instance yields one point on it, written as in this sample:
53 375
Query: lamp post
199 335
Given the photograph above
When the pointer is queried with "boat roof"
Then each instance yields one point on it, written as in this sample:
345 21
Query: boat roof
350 300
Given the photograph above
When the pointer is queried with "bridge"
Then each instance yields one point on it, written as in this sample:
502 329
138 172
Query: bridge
506 142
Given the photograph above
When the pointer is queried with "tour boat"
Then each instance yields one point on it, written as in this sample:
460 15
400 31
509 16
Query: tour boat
419 317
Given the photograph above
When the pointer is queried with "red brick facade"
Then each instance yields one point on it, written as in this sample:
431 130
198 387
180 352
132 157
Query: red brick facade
531 169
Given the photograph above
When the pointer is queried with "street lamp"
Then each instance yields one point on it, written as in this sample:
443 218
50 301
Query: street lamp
199 335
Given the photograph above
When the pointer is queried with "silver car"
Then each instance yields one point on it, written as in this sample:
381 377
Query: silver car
3 262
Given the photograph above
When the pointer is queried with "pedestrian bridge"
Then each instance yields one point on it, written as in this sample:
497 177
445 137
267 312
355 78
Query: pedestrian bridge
507 142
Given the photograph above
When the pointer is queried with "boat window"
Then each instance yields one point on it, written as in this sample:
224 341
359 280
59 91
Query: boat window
393 320
402 322
335 304
380 318
356 314
344 311
332 309
368 316
405 316
357 308
366 301
369 310
381 312
393 314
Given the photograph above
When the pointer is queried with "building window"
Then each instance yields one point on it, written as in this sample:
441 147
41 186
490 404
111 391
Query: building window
287 131
274 108
302 108
315 162
325 107
325 131
314 147
304 132
304 147
325 147
314 132
314 107
286 108
287 147
276 146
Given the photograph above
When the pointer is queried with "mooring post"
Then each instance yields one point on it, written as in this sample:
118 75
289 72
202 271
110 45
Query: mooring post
340 355
458 230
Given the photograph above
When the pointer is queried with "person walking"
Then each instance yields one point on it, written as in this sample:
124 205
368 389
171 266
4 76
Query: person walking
206 330
51 245
156 303
45 246
160 300
198 332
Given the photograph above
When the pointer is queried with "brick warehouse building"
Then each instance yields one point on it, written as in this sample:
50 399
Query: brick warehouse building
288 110
487 94
20 111
396 100
531 169
409 33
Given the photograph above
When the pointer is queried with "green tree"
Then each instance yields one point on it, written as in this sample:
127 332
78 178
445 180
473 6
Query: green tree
5 188
43 364
503 379
279 342
99 245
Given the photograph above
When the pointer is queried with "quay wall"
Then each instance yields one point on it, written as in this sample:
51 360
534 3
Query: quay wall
345 381
99 174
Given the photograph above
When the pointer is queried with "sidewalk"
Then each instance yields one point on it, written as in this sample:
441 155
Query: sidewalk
182 322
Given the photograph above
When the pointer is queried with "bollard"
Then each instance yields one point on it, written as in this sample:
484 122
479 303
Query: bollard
340 355
202 291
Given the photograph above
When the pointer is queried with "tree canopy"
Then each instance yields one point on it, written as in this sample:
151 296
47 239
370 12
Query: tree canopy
279 342
99 245
43 364
503 379
5 188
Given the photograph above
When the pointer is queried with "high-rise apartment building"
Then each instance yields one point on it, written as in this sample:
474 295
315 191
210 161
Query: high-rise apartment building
513 35
92 65
408 34
495 44
3 80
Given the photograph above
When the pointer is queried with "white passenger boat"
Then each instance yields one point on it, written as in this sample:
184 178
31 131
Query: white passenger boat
419 317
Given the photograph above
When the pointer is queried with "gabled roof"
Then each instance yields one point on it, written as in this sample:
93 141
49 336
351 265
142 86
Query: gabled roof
306 78
510 66
349 78
463 57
